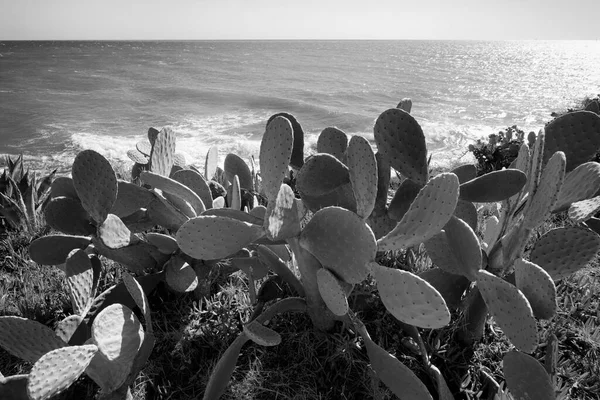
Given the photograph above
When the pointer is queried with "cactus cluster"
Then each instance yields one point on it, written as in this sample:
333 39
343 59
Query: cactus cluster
330 227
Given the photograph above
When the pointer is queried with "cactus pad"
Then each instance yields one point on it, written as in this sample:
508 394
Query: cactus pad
363 174
26 339
137 157
540 204
510 309
54 250
464 245
465 172
342 241
427 215
163 152
213 237
68 216
180 276
130 198
72 330
211 163
492 230
282 219
261 335
136 257
144 147
234 165
14 387
333 141
583 210
275 154
401 140
139 297
235 214
450 286
95 183
321 174
58 369
403 198
466 211
537 285
579 184
395 375
297 158
411 299
114 234
80 279
563 251
196 183
526 378
175 188
536 163
332 292
63 187
492 187
163 213
577 134
164 243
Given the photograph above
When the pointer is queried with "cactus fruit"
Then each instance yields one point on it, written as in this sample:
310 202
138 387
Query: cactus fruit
340 240
563 251
510 309
542 201
170 186
67 215
410 299
332 292
26 339
493 187
526 378
584 209
53 250
401 140
297 157
114 234
130 198
321 174
80 279
362 166
196 183
57 370
577 134
333 141
275 154
261 335
427 215
180 276
233 166
163 152
210 237
538 287
95 183
282 219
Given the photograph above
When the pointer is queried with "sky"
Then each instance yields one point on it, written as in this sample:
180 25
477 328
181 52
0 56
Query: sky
298 19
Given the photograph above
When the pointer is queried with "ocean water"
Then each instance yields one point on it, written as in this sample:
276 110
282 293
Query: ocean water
57 98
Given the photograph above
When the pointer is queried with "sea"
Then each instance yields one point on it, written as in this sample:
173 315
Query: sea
60 97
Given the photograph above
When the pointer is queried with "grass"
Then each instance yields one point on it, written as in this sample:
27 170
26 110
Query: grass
192 332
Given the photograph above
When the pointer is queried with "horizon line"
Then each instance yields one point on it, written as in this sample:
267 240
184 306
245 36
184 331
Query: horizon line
297 40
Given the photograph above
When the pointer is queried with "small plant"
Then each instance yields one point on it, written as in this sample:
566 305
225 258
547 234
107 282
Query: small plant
499 151
22 196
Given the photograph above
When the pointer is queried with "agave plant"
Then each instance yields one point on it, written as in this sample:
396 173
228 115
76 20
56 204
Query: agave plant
22 195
